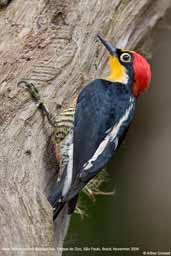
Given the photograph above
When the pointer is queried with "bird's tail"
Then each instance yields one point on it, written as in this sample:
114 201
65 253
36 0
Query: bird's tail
57 206
57 210
55 198
72 204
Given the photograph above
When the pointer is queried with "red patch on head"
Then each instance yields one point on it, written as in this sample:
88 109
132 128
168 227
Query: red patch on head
142 74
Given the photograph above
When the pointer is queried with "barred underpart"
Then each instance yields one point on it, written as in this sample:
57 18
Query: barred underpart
65 122
62 134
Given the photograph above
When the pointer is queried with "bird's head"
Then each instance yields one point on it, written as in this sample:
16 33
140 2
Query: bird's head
128 66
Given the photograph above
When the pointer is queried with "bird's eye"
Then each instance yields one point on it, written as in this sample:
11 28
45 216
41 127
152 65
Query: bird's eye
125 57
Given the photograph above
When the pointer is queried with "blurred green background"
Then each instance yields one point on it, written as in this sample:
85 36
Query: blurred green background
139 214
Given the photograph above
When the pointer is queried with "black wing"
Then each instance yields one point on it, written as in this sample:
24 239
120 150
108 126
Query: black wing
103 114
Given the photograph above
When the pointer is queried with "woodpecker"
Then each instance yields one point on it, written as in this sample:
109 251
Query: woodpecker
89 133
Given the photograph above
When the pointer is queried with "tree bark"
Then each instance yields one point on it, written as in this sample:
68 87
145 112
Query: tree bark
53 44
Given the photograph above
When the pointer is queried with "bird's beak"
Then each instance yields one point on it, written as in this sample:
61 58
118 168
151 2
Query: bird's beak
112 50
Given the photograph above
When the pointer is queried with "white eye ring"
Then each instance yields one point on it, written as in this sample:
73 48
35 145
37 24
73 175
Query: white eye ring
125 57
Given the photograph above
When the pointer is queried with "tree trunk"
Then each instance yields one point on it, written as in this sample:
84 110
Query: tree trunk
53 44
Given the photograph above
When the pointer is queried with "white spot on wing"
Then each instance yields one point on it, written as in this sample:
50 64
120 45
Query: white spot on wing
112 135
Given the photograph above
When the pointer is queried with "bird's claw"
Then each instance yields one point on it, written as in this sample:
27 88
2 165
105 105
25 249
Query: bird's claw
37 98
32 90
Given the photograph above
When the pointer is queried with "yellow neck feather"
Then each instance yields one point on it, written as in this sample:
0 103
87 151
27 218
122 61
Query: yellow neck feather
118 71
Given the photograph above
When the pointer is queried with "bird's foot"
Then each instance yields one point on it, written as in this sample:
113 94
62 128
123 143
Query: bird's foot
38 100
32 90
